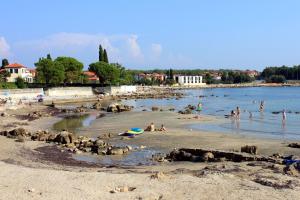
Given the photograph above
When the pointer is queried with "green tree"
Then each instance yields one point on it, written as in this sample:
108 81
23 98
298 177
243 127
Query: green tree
20 82
105 58
101 54
208 78
72 69
4 62
171 75
108 74
4 75
49 72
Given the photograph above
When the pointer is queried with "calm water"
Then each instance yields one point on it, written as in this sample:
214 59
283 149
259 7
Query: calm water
220 101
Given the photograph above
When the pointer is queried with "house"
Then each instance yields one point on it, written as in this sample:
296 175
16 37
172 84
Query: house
91 76
18 70
151 77
188 80
252 73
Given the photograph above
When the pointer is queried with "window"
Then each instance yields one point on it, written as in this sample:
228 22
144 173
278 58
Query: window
16 71
11 71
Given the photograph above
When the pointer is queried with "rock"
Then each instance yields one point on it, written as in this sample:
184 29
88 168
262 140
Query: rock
185 154
31 190
186 111
97 106
292 169
116 107
16 132
129 148
249 149
208 156
122 189
154 108
65 137
4 114
158 175
115 151
99 143
294 145
20 139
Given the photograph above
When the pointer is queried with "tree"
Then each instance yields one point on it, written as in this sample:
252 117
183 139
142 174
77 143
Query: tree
108 74
208 78
49 56
4 75
171 76
72 69
276 79
101 53
4 62
49 72
20 82
105 58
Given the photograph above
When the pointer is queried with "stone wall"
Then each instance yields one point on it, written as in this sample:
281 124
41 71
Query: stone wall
24 94
118 90
69 92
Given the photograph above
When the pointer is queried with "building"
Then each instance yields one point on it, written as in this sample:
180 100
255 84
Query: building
151 77
91 76
17 70
252 73
188 80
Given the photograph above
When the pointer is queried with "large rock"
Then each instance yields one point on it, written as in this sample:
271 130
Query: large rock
65 137
249 149
292 169
97 106
294 145
117 107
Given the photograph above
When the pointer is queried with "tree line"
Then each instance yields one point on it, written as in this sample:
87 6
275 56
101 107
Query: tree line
281 74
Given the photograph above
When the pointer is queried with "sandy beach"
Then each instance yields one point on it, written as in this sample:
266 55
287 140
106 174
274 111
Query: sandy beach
28 173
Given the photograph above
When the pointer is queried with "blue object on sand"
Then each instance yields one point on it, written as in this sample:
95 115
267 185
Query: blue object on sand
290 161
136 129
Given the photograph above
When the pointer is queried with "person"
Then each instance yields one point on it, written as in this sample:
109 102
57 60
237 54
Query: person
250 115
283 115
20 102
162 128
238 112
261 107
199 107
232 113
151 127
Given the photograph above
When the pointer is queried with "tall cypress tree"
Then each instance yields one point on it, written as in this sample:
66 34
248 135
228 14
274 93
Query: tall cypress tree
105 58
171 74
49 56
101 53
4 62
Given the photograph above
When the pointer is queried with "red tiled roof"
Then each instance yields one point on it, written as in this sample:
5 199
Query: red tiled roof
89 73
15 65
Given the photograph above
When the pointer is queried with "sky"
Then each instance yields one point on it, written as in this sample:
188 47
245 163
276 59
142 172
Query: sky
148 34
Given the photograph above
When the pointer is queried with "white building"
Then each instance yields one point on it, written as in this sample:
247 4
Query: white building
17 70
188 80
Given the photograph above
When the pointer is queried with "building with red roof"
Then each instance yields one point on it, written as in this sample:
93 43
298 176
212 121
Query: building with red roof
18 70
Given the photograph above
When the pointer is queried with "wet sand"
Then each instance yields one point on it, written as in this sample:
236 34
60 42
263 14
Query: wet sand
26 174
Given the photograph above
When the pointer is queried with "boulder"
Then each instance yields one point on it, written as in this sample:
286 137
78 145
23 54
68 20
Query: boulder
249 149
116 151
65 137
154 108
97 106
292 169
294 145
208 156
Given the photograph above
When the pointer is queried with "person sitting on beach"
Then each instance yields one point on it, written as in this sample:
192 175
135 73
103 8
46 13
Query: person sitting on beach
162 128
150 128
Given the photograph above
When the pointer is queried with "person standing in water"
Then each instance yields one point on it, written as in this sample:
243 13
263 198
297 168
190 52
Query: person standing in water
238 112
283 115
250 115
261 107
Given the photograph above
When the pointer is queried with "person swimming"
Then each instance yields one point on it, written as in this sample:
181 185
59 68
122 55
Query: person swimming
199 107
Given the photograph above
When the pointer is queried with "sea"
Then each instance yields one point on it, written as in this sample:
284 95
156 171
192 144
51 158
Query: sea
219 102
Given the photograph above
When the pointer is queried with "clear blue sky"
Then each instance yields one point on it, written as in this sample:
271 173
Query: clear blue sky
158 33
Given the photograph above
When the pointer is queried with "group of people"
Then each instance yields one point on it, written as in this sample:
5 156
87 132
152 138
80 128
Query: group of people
236 113
152 128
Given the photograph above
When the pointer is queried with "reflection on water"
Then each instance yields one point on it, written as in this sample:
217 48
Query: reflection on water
73 122
134 158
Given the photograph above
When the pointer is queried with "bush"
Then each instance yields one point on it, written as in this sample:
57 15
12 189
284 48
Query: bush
20 83
8 86
276 79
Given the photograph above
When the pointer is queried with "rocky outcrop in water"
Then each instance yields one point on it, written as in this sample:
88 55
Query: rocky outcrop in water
117 107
